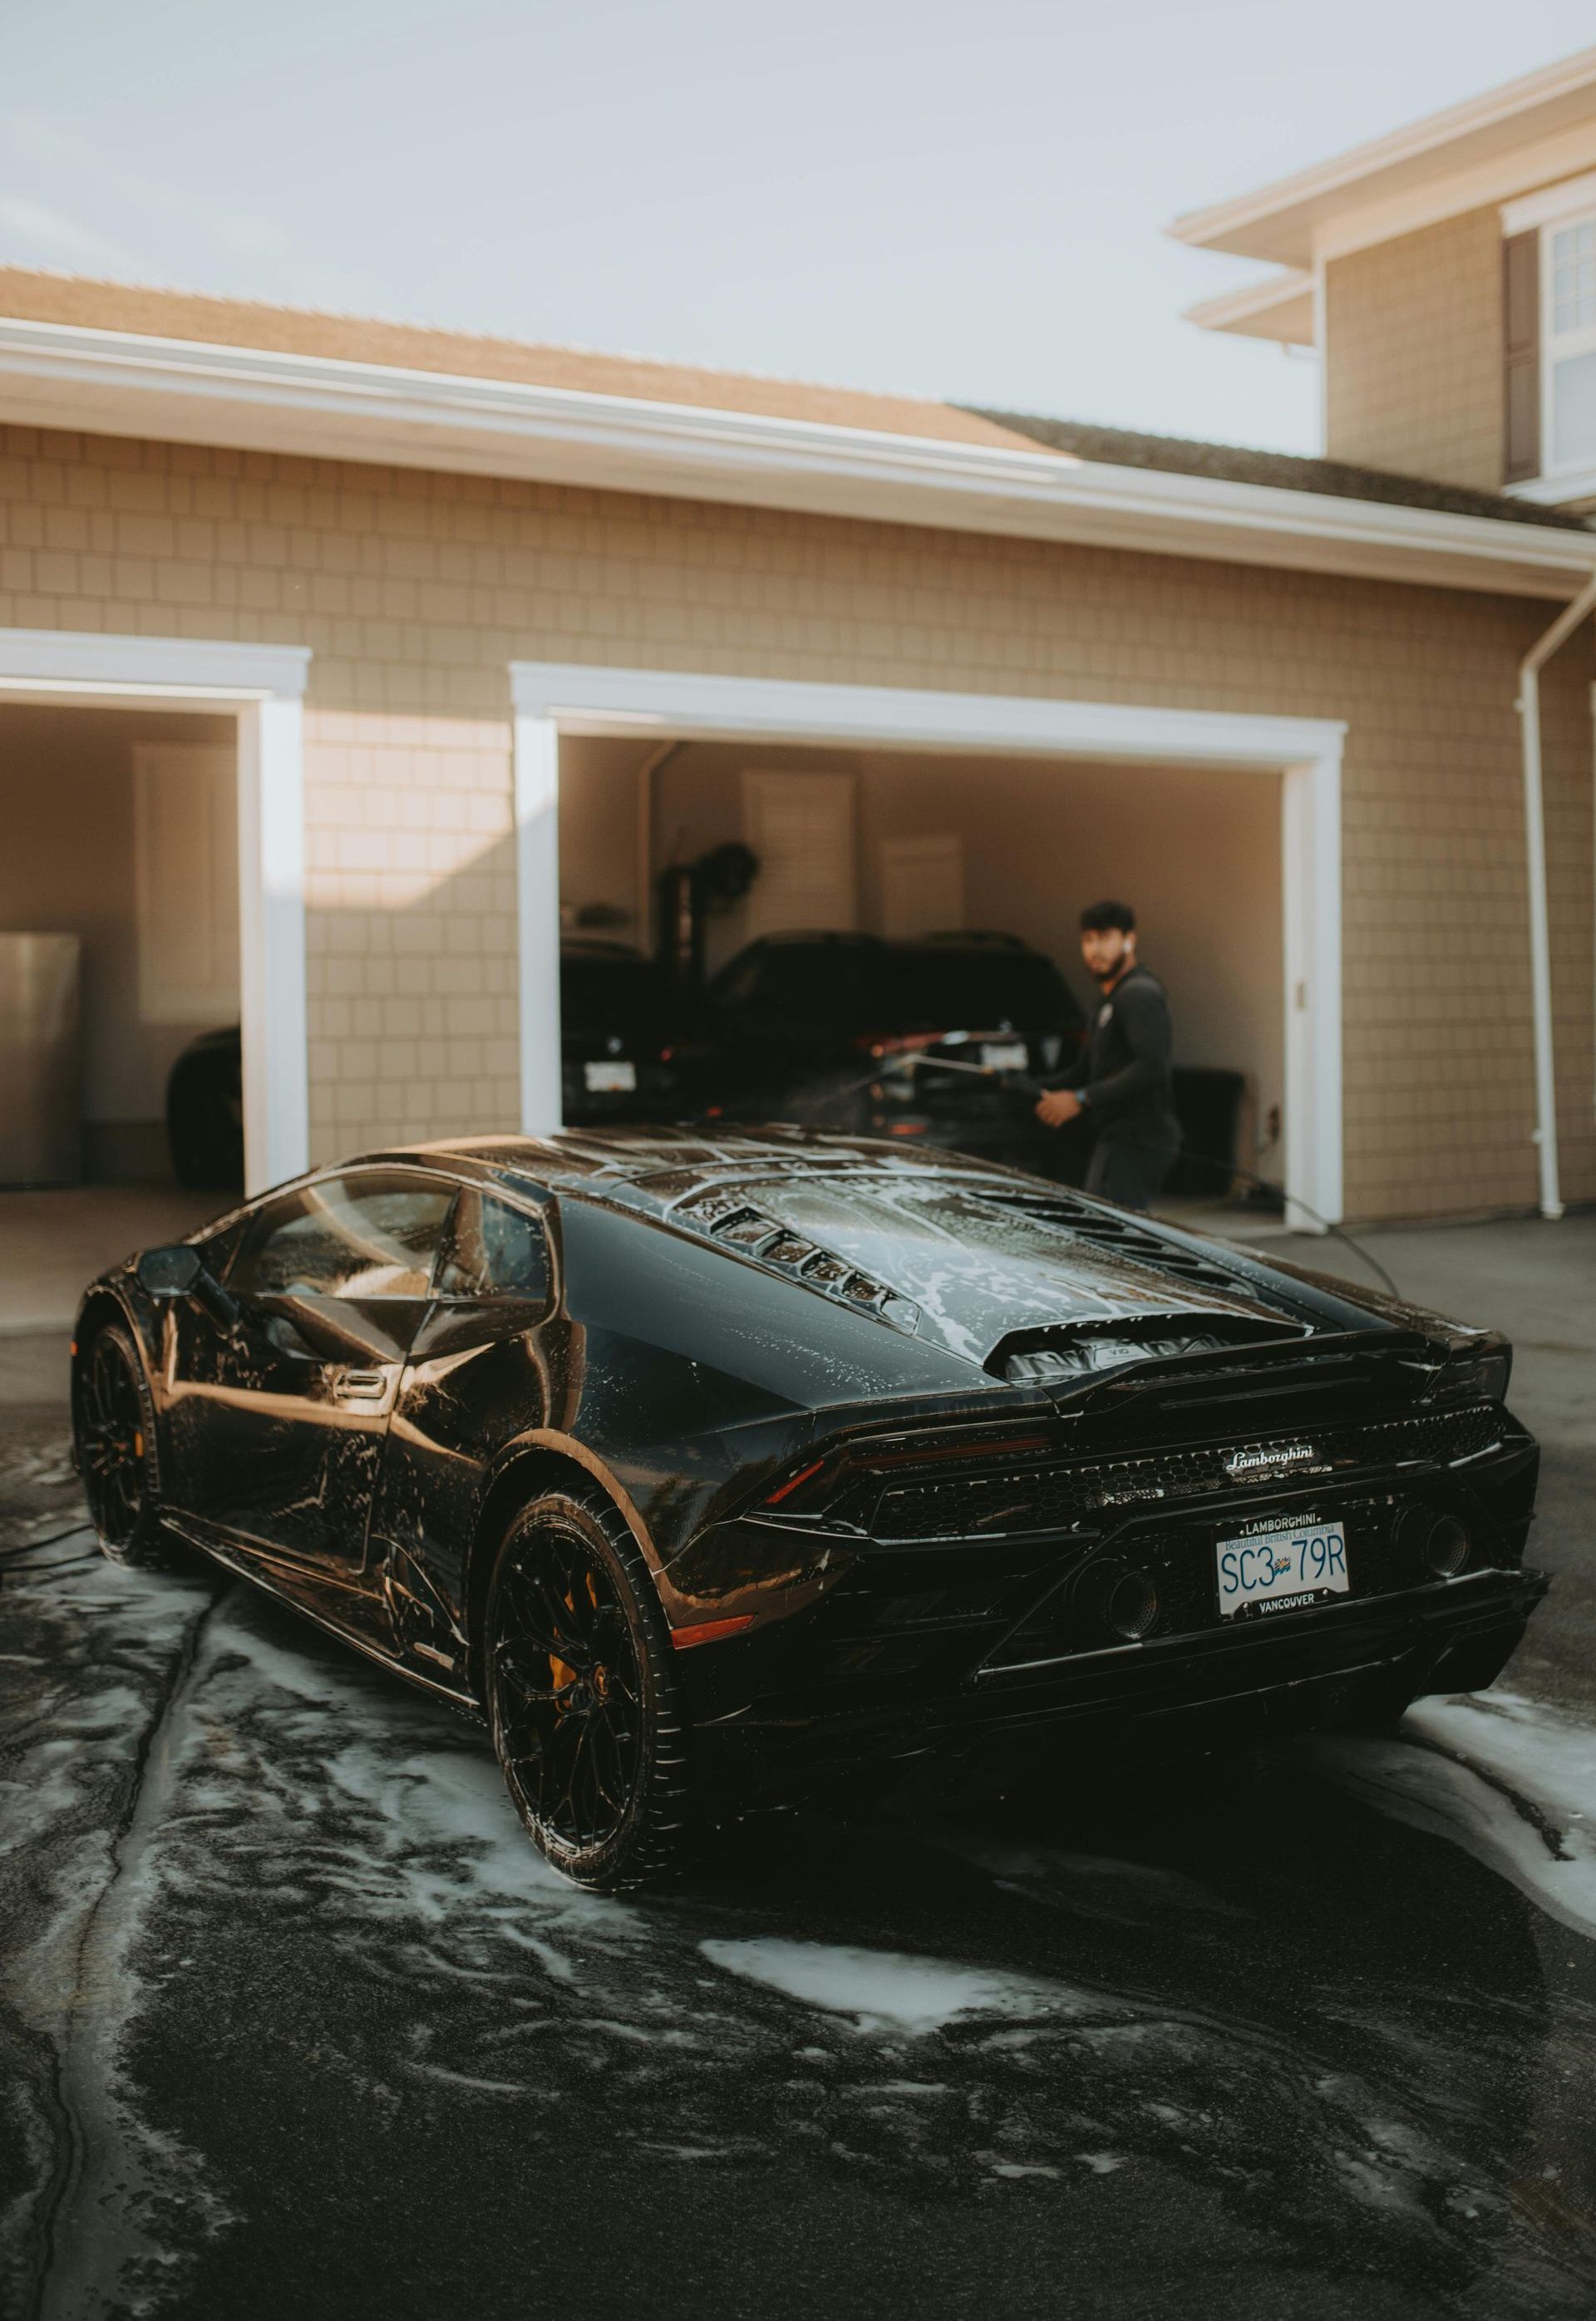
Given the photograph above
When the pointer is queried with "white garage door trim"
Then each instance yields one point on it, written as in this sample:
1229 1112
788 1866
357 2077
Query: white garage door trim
552 698
263 687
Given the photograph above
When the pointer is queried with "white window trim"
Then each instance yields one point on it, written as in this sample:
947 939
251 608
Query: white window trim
1567 475
555 698
263 689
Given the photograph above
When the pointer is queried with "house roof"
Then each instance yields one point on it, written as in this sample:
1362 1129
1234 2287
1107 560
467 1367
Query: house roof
75 299
1523 133
1283 470
113 360
1279 306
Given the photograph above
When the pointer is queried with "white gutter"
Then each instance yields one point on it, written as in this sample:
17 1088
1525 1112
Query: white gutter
1535 848
120 383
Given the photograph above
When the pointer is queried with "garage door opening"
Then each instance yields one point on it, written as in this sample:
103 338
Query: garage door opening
880 810
972 871
119 947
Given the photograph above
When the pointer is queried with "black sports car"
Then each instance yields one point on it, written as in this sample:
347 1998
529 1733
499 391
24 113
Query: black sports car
706 1469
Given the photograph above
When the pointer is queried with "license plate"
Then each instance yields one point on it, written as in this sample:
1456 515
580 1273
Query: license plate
609 1080
1281 1569
1004 1055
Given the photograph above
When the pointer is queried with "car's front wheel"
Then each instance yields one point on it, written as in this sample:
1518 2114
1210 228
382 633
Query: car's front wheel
114 1433
581 1694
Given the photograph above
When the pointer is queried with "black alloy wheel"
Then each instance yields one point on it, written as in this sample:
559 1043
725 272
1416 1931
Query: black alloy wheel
581 1695
113 1427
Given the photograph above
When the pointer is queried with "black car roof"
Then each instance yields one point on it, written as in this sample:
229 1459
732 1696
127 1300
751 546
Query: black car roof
972 1252
576 1158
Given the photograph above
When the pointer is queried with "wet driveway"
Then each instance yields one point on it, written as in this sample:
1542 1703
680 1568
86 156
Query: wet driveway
294 2022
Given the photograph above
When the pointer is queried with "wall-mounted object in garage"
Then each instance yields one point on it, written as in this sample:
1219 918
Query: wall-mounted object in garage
41 1142
688 892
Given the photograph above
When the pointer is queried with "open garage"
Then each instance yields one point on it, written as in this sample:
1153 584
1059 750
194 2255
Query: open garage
901 845
119 932
1214 839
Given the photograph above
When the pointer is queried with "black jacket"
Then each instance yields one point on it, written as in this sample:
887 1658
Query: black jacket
1127 1080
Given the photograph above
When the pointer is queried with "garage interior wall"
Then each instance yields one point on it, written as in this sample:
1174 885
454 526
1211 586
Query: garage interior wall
67 866
1198 851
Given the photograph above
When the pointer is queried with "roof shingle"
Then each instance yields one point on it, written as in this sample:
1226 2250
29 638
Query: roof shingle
1123 447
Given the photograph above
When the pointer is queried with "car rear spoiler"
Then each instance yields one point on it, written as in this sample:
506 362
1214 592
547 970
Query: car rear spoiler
1308 1369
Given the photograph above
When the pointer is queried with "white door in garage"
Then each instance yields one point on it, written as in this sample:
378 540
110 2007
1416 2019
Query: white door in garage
802 830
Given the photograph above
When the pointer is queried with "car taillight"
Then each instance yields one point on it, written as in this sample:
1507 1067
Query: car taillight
786 1489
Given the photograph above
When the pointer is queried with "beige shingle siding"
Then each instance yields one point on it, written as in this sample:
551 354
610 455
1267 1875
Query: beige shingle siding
1413 359
414 591
410 891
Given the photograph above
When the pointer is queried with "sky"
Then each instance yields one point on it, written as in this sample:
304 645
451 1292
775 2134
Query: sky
947 198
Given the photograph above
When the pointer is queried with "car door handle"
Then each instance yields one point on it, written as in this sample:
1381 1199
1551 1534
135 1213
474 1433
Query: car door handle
359 1385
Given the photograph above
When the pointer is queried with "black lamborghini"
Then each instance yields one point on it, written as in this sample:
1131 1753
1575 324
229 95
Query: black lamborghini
704 1469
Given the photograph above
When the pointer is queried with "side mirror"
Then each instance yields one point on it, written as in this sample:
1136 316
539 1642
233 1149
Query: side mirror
180 1271
170 1272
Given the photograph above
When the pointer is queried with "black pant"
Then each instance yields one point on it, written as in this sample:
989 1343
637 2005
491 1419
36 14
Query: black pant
1128 1174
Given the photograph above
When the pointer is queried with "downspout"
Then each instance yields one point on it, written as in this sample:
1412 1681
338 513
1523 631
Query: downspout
1534 849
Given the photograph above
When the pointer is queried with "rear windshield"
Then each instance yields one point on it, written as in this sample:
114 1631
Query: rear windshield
846 986
607 994
942 989
855 987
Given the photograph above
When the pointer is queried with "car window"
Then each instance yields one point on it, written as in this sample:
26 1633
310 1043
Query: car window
494 1250
734 986
219 1249
841 987
953 988
371 1235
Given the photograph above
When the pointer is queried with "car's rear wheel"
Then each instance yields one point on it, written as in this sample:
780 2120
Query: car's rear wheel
113 1429
581 1694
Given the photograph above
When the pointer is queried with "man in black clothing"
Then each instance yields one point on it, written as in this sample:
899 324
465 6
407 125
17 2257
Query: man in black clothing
1124 1085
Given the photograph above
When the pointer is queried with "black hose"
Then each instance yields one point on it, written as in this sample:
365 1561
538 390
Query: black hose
1266 1185
50 1539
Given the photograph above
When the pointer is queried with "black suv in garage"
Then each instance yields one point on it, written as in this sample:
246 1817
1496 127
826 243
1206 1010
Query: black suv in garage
795 1024
621 1052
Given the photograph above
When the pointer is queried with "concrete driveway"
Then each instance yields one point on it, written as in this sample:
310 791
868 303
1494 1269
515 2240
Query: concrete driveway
52 1241
1537 1282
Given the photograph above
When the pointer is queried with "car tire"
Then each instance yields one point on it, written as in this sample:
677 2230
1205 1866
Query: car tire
113 1446
204 1135
581 1695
